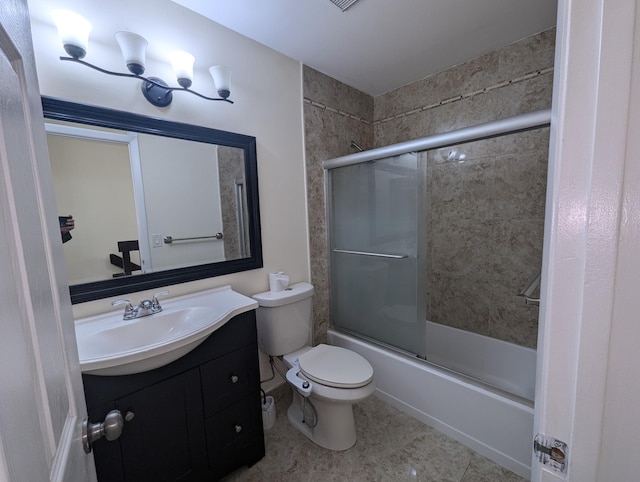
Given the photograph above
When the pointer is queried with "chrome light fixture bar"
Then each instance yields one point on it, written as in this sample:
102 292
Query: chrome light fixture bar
74 33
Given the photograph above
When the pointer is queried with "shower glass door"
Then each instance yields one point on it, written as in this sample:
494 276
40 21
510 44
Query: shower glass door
377 241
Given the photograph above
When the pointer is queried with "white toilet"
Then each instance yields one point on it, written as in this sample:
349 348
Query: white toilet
327 380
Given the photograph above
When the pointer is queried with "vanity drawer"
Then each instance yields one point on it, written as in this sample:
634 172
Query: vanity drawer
229 378
235 436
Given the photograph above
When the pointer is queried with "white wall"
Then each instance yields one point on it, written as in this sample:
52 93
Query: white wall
86 176
266 89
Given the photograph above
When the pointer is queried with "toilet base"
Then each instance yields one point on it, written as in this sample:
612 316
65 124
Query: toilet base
335 427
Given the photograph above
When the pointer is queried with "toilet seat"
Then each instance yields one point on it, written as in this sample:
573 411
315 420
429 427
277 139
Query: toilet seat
334 366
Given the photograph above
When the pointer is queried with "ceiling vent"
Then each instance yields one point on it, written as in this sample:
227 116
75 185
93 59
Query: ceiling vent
343 4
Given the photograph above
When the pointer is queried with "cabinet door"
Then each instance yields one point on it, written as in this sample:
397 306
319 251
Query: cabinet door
165 440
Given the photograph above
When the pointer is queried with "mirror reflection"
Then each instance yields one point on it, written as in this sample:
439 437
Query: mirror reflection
177 203
150 206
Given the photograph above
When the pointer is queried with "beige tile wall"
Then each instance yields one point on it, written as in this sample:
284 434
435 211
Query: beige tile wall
230 169
485 227
335 115
487 211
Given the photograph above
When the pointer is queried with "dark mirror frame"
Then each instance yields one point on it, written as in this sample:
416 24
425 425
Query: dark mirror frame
63 110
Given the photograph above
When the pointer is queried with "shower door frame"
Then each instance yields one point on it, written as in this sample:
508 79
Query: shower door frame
511 125
421 251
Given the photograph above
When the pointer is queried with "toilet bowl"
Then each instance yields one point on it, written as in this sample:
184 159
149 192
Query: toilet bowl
326 380
338 378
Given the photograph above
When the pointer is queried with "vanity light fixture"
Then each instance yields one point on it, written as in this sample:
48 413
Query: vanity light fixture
74 34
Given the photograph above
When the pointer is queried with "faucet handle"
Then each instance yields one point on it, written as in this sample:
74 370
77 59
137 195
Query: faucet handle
129 310
155 304
122 302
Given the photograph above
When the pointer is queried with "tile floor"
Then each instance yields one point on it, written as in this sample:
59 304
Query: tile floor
391 447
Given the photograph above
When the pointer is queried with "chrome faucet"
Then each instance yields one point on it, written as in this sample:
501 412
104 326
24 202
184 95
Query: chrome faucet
144 308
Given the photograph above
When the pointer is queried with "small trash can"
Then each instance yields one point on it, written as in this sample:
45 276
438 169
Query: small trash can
268 412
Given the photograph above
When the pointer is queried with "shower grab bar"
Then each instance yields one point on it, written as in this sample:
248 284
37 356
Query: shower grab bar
239 183
525 295
377 255
171 239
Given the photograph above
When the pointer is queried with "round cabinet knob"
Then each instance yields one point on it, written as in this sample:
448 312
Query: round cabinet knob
234 378
238 428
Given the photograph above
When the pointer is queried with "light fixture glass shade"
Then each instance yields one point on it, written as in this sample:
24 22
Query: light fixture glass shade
221 79
182 63
73 30
133 47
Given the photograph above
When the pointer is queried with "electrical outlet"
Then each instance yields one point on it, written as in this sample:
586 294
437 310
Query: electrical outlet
156 239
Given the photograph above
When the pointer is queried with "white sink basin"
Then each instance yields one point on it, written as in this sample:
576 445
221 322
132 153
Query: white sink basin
109 345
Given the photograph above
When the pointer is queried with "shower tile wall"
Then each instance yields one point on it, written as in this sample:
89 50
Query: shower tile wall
230 169
510 81
335 114
485 227
481 276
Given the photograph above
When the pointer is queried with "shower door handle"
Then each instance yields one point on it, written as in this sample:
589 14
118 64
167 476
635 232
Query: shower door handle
367 253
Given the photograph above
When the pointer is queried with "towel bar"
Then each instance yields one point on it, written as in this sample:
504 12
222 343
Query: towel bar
171 239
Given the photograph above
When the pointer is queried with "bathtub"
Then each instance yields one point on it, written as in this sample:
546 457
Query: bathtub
492 422
503 365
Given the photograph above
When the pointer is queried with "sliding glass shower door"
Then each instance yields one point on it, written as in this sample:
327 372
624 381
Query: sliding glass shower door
376 244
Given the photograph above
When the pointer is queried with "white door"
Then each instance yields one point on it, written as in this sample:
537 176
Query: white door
588 389
172 189
41 399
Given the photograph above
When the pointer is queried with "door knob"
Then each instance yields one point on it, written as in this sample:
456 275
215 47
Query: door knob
110 429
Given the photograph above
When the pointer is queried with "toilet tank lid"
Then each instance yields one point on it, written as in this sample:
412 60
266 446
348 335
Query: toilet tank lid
293 293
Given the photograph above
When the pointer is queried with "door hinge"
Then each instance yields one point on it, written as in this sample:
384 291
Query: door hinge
551 452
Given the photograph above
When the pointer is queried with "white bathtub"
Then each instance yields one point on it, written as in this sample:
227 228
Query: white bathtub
493 423
509 367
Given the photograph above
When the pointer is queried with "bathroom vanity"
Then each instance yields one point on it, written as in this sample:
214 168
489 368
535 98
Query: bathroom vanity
196 418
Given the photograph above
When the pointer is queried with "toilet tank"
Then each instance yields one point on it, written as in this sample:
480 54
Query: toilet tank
284 319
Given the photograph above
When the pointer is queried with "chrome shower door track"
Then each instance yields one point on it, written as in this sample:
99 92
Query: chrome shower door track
522 122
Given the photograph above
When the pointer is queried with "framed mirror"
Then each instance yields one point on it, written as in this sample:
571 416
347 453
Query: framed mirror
154 202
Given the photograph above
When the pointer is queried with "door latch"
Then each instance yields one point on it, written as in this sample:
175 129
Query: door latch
551 451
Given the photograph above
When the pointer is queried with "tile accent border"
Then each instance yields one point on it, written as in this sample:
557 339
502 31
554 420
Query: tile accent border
521 78
319 105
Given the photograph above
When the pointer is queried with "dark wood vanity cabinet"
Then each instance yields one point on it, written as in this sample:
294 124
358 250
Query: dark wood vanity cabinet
196 419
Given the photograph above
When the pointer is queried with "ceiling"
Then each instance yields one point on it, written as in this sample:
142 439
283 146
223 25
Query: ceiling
379 45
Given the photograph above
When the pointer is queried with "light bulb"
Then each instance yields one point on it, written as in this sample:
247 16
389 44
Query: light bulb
182 63
222 80
133 47
73 30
